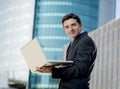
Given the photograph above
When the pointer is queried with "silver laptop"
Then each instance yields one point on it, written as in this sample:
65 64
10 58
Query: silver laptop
35 57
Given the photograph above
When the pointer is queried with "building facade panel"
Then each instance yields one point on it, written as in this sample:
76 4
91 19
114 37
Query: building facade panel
107 65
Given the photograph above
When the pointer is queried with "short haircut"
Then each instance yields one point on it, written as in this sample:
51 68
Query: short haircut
71 15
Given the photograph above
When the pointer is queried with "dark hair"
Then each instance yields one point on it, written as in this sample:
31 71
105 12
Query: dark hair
71 15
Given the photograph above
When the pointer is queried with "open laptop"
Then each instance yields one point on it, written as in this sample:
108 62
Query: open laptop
35 57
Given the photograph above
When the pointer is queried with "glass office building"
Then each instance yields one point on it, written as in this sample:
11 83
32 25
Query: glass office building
48 30
107 11
16 25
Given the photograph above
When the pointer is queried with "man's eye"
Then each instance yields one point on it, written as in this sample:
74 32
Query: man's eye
66 27
73 24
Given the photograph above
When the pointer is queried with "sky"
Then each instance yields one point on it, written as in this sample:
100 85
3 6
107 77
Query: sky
117 9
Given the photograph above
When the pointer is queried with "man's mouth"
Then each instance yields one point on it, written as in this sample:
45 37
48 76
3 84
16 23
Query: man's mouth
73 32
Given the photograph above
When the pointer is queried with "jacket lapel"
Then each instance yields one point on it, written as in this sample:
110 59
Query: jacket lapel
72 45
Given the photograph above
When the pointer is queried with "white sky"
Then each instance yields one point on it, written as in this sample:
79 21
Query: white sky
117 9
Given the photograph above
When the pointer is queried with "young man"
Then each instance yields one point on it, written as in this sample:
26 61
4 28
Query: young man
82 51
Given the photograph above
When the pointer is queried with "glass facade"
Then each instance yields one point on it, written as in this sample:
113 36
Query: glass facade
16 26
48 30
107 11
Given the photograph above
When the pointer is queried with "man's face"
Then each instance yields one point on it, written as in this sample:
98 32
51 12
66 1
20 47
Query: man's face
72 28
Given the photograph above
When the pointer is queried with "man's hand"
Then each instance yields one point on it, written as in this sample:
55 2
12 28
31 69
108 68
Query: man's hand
44 69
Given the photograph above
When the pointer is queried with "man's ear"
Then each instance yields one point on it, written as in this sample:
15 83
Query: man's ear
80 25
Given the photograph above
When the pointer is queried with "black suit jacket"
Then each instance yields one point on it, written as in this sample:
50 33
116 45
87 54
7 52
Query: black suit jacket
83 53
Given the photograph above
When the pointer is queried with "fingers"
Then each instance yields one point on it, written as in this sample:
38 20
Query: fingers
42 69
39 69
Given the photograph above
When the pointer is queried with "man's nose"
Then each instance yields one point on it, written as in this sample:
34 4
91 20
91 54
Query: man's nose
71 28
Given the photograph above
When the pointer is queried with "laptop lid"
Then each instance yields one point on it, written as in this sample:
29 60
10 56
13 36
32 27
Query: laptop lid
34 55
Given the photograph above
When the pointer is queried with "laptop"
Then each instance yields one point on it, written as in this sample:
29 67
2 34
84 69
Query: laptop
35 57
